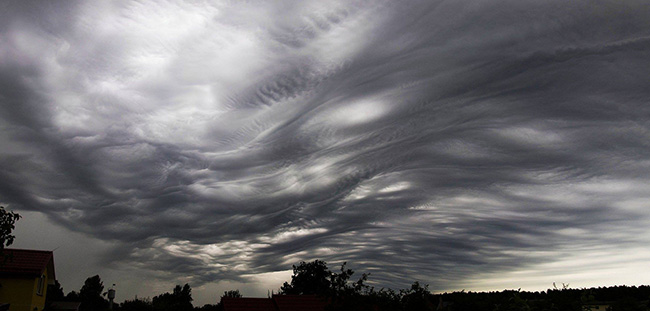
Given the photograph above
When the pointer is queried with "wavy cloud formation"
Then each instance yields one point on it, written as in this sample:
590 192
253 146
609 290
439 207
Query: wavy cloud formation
436 140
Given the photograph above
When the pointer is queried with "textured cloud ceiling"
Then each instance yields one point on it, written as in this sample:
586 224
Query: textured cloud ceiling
431 140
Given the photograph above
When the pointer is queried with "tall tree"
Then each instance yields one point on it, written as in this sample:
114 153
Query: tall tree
54 293
314 277
72 296
309 278
340 286
7 225
91 295
179 300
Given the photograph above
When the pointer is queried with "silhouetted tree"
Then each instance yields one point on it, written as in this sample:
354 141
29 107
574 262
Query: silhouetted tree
628 303
340 286
7 225
384 300
314 278
136 305
346 296
54 293
91 295
514 303
232 294
72 296
309 278
179 300
417 297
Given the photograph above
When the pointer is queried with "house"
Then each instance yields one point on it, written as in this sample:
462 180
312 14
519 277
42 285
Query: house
275 303
24 276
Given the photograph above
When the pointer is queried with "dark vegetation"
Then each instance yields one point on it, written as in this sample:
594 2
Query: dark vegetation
314 278
7 224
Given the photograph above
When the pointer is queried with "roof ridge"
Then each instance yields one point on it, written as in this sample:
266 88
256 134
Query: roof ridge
29 250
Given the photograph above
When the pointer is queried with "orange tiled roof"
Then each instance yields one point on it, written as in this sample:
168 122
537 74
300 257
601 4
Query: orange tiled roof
25 262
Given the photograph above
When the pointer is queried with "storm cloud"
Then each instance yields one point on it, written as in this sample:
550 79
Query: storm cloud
431 140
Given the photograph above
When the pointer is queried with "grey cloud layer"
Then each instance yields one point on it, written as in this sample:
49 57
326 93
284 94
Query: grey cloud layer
434 140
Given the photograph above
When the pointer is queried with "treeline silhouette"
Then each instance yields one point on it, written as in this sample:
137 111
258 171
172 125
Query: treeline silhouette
341 293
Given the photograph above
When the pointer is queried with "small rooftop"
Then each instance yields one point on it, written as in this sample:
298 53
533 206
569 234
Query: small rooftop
247 304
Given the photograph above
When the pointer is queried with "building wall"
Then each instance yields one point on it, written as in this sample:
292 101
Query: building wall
38 301
19 293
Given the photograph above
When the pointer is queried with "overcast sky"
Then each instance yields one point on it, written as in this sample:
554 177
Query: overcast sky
465 144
